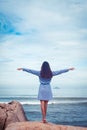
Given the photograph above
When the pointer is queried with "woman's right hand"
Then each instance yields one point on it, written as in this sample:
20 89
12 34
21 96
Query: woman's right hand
19 68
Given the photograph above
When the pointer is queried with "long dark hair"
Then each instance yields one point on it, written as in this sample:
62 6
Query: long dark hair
45 70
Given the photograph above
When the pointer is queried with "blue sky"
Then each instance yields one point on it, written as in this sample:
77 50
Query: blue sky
32 31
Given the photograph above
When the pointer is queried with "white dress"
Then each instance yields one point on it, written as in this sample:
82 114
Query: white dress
45 92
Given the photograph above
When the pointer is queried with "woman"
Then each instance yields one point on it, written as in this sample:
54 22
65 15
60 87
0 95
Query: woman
45 75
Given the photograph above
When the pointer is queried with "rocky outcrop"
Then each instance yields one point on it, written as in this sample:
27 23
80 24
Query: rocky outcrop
10 113
40 126
2 117
12 117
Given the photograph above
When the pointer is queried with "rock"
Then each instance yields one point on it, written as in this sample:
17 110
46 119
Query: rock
2 118
10 113
12 117
40 126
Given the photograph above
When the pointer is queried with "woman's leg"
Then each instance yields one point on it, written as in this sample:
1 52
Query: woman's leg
45 107
44 110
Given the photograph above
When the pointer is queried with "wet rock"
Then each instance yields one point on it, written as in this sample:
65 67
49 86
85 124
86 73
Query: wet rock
10 113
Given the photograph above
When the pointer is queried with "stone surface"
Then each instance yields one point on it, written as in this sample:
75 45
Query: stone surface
12 117
2 118
10 113
40 126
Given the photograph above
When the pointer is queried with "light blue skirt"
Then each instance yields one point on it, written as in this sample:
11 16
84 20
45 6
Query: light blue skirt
45 92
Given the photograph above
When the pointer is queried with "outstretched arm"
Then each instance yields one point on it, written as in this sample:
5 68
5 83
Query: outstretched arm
61 71
30 71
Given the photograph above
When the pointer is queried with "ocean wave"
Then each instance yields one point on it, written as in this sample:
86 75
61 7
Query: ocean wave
50 102
53 102
27 100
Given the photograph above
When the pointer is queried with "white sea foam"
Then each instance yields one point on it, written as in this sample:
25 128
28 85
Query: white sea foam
27 100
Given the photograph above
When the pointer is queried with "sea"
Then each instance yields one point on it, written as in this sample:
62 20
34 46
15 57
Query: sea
61 110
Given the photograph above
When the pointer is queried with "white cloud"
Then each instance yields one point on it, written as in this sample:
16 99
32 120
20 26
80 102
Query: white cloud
49 30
